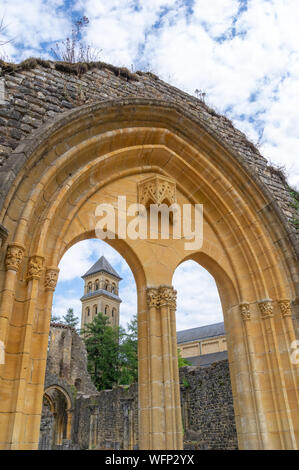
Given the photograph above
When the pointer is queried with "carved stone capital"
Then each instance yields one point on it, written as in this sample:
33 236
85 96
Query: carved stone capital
167 297
162 296
285 307
266 309
157 190
152 297
14 256
35 267
245 311
51 278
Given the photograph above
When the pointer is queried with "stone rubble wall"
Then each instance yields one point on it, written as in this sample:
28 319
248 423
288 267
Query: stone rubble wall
207 406
109 419
37 94
67 359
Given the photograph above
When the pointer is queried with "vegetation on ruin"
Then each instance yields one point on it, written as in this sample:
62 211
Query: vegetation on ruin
182 361
70 319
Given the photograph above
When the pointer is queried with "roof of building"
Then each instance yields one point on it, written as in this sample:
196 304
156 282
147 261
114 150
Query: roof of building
207 359
102 265
95 293
201 332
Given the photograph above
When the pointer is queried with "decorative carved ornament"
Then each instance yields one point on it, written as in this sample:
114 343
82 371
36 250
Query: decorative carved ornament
35 267
157 190
152 297
266 309
51 278
285 307
245 311
162 296
14 256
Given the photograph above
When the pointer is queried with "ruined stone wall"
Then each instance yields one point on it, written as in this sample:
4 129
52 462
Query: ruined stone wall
37 92
67 359
207 407
109 420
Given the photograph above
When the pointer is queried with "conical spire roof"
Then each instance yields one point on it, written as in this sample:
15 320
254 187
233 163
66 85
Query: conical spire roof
102 265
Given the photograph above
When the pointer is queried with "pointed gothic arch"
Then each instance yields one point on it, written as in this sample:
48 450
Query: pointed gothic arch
85 157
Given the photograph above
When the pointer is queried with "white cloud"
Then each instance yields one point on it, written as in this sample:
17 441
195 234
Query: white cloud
63 302
198 301
31 23
252 73
246 60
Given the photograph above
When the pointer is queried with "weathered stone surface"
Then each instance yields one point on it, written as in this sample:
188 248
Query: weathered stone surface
54 92
207 406
109 419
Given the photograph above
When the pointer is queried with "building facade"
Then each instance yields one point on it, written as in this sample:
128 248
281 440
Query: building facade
203 345
101 293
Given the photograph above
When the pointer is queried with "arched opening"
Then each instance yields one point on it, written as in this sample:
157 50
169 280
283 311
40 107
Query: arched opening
55 418
206 391
69 292
70 168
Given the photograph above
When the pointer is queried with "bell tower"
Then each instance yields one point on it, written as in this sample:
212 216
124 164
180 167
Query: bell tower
101 293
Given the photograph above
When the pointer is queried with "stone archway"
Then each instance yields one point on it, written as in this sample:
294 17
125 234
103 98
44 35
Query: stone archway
57 408
92 155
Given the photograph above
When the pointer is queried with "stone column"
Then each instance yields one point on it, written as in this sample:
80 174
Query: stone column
13 259
69 413
24 408
254 403
164 422
281 415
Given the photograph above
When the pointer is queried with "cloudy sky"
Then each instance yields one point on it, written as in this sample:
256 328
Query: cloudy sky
244 54
198 300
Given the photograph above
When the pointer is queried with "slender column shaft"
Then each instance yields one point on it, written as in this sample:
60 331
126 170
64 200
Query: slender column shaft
165 425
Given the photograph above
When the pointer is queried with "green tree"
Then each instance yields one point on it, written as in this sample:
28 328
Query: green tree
182 362
70 319
129 354
102 346
55 319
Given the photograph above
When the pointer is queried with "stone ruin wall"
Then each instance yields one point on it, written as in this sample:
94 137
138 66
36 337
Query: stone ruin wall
36 91
67 359
109 419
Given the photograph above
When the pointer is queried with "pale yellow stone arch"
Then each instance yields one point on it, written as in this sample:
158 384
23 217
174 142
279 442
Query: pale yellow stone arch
95 153
59 425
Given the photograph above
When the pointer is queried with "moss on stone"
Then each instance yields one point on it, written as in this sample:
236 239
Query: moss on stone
78 68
